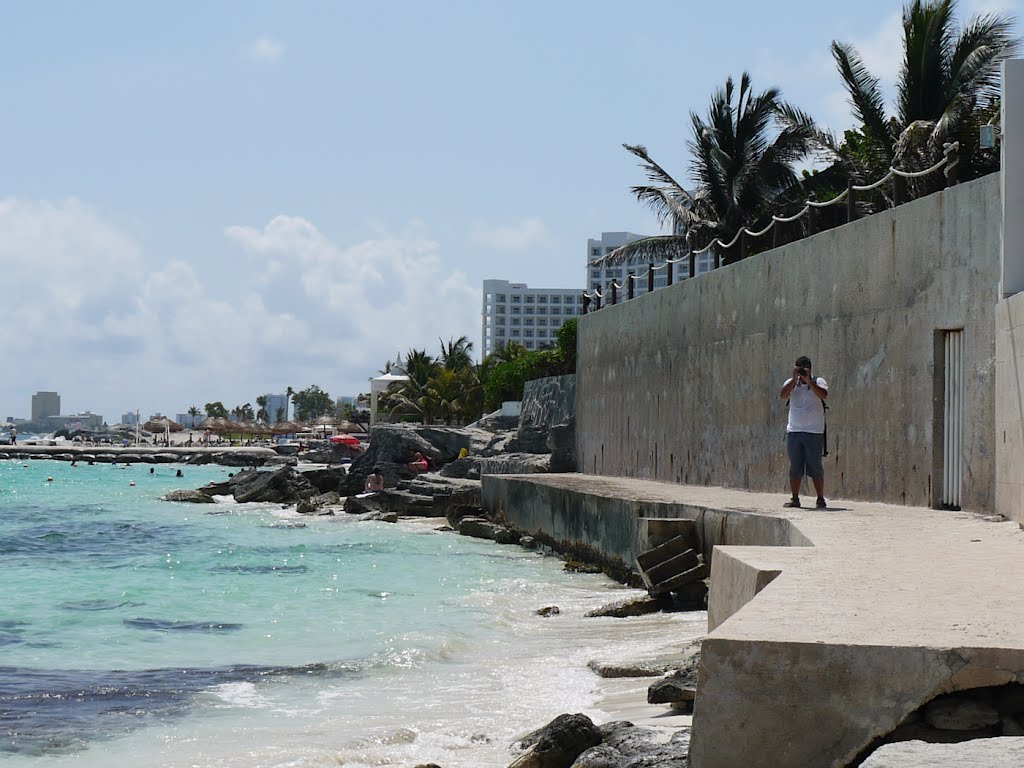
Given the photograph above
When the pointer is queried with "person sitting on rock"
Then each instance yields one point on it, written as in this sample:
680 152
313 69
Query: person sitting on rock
374 481
418 464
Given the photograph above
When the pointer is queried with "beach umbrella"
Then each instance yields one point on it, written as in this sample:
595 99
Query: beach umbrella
348 426
345 440
218 424
162 424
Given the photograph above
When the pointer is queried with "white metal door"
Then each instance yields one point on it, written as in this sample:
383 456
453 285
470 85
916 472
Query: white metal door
952 474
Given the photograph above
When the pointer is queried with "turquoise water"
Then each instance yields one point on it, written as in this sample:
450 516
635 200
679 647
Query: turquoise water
134 629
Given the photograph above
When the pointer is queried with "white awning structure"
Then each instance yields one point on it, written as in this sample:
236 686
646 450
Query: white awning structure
380 384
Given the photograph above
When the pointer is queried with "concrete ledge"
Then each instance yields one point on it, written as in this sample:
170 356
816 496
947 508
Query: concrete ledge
827 627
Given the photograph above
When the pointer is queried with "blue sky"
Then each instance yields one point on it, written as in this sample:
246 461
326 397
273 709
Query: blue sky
214 200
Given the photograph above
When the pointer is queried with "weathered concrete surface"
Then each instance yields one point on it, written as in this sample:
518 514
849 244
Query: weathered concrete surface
548 401
611 515
815 650
681 385
1009 435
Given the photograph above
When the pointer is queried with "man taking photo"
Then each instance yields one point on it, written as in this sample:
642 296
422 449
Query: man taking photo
805 429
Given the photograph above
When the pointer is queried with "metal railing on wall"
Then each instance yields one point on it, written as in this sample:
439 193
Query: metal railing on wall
593 300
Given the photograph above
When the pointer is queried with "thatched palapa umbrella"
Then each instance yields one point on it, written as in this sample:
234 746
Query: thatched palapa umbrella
287 428
217 424
162 424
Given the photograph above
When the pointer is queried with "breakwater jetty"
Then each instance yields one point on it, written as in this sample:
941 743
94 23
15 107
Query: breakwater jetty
246 456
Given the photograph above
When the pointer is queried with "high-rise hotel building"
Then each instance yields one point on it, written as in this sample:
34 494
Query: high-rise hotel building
529 316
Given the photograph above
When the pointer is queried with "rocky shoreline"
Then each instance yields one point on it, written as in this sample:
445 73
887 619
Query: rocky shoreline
453 493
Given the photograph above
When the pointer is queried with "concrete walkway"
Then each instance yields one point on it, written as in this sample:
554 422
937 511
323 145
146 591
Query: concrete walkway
816 650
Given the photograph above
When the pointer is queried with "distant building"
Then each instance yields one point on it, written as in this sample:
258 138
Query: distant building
529 316
189 421
84 420
44 405
276 403
600 276
130 419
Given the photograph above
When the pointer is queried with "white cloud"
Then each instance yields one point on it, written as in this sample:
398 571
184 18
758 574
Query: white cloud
88 314
264 49
518 236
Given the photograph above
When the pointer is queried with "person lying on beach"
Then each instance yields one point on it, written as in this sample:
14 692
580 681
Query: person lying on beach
374 481
418 464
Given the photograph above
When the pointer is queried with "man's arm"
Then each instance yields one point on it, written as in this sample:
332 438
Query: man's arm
787 388
821 392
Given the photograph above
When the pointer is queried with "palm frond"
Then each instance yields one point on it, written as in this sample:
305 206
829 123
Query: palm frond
648 249
865 93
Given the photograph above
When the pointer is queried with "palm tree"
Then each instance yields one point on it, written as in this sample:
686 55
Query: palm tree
743 151
455 355
194 412
262 415
280 415
948 86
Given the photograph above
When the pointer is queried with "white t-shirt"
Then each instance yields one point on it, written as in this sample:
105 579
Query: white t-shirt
806 413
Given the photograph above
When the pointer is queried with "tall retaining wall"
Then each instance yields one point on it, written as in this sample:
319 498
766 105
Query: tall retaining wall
1010 408
548 401
681 385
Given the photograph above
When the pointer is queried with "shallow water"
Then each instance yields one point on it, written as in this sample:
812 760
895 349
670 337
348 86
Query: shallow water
150 633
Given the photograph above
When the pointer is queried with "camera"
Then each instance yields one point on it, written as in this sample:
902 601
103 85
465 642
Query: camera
802 371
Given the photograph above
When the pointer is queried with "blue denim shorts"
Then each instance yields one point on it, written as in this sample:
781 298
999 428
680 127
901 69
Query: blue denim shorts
804 450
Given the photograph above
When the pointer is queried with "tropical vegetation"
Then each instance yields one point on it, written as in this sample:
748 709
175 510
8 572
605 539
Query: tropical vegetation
948 86
746 149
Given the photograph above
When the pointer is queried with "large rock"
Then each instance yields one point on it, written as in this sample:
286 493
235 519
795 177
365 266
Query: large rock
193 497
282 486
530 439
314 504
634 606
680 685
624 745
515 464
1002 752
356 505
953 713
559 743
562 444
468 467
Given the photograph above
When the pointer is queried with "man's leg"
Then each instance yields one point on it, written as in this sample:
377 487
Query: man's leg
795 450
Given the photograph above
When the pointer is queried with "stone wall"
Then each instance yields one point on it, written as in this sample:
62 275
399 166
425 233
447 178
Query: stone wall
681 385
1009 434
548 401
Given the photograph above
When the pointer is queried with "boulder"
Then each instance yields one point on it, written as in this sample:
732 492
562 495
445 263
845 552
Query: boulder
530 439
562 445
314 504
680 685
515 464
608 670
559 743
277 461
280 486
625 745
461 468
355 505
481 528
194 497
956 713
548 610
222 488
635 606
978 753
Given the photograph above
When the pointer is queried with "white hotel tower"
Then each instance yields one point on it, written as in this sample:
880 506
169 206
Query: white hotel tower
529 316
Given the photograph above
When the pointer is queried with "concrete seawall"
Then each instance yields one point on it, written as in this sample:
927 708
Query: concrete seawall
827 629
